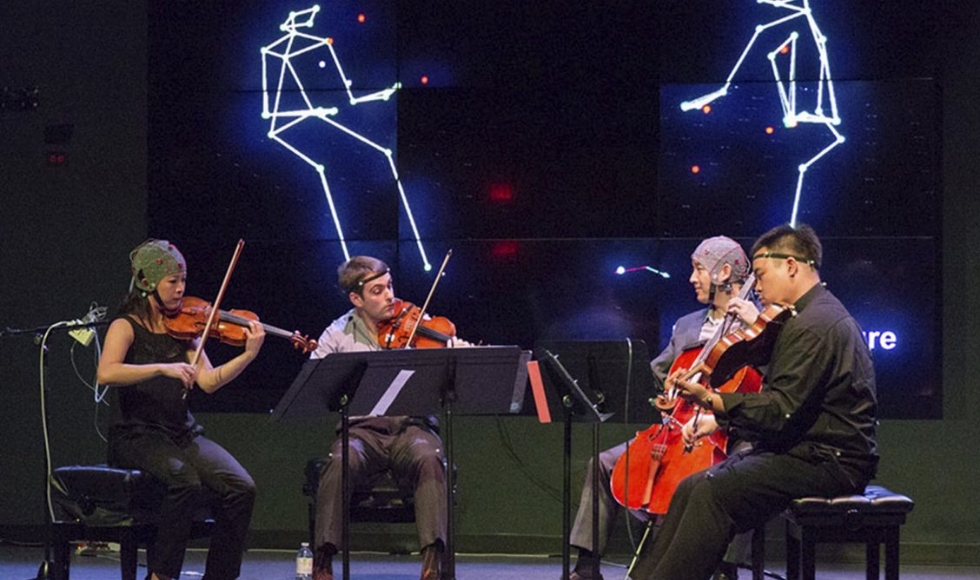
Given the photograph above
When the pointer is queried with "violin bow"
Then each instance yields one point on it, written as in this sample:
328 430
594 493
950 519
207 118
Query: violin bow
216 306
432 291
730 322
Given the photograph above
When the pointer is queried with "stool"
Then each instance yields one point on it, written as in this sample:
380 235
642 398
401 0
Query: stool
872 518
377 501
106 504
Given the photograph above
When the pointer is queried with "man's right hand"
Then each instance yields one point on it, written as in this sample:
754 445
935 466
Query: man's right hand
706 425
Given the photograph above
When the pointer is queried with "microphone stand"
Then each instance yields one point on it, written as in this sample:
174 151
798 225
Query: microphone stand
45 570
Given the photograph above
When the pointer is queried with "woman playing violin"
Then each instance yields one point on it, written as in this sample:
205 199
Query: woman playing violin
718 268
408 446
152 428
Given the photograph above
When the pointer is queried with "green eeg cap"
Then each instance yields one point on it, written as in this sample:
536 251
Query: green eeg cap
152 261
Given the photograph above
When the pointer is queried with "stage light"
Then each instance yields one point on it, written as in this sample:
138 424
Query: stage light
424 80
769 130
695 169
620 270
504 249
501 192
361 18
706 109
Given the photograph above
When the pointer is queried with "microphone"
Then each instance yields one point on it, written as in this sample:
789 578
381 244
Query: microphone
83 333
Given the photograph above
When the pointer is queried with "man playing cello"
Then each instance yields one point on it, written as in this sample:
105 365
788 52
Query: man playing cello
718 268
812 427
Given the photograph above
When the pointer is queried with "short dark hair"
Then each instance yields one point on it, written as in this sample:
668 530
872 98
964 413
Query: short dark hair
352 274
799 241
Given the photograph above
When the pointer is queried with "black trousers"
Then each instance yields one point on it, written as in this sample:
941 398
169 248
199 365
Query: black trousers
414 455
738 494
190 469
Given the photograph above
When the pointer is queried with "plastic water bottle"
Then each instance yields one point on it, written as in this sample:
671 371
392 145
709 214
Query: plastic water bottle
304 562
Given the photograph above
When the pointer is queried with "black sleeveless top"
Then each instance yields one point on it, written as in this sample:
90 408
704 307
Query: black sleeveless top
157 402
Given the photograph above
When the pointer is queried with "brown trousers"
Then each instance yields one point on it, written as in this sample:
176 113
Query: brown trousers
414 455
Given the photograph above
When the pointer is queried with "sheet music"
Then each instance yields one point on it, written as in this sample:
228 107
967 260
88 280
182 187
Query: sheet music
391 393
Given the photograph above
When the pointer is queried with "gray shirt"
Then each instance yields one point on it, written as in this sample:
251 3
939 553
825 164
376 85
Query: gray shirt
346 334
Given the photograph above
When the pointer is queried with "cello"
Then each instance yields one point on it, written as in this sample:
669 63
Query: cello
646 476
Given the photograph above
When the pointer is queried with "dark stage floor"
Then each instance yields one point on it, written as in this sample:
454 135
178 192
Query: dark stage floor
17 563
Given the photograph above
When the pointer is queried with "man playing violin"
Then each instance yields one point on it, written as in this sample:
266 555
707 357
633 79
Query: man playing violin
718 268
409 447
152 428
812 426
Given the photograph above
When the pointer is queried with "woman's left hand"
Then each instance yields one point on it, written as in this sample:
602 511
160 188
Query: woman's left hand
254 337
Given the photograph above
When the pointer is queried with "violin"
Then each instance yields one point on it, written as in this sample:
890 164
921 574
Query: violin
725 356
188 322
396 332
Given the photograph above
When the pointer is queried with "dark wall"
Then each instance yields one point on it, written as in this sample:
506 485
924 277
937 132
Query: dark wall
65 232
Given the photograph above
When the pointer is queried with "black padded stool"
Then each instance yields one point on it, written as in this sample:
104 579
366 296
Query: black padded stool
106 504
377 501
872 518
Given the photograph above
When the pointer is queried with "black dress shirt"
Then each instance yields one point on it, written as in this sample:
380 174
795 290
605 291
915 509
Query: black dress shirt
819 399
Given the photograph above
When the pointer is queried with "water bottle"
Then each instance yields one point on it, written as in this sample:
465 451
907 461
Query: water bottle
304 562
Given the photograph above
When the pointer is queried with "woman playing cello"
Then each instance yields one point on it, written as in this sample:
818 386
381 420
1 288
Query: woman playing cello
719 266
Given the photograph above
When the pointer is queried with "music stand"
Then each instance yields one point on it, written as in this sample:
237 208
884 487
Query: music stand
593 382
472 381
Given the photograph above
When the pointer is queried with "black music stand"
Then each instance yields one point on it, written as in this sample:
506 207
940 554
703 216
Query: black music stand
594 382
471 381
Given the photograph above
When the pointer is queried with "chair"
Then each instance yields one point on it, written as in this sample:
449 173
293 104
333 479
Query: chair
378 501
872 518
106 504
